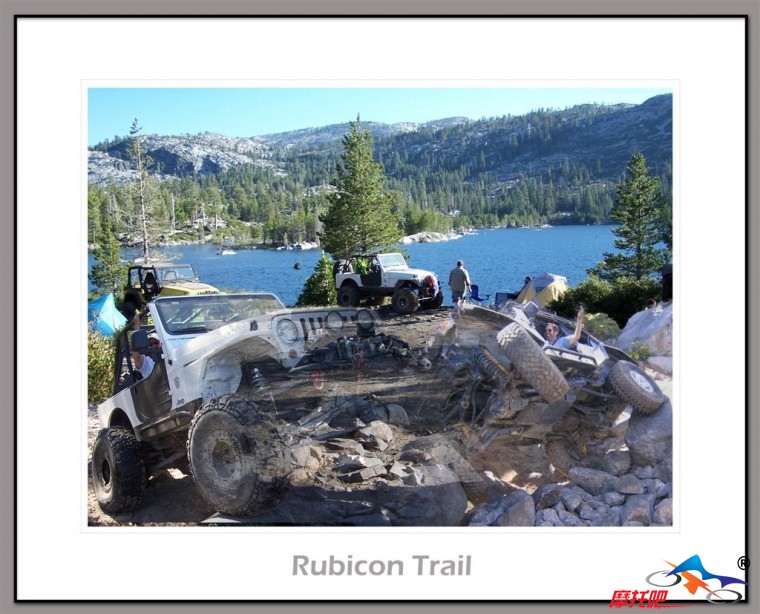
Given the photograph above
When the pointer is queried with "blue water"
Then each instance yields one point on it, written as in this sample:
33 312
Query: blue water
498 260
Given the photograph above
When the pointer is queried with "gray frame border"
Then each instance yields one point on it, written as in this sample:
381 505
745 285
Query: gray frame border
10 10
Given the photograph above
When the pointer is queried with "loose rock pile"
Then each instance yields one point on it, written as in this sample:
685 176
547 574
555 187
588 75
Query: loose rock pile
363 467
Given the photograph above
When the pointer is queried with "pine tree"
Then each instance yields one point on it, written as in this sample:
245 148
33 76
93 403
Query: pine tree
108 273
639 212
360 215
319 288
136 152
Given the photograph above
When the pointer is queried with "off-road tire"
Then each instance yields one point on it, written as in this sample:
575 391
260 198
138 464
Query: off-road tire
237 456
405 301
636 388
118 470
437 301
531 362
348 296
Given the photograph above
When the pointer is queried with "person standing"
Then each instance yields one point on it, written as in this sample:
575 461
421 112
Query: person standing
459 282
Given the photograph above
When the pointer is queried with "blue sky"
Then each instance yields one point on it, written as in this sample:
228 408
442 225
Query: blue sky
245 112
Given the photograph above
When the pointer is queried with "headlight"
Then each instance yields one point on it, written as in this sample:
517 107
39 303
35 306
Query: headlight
287 331
334 321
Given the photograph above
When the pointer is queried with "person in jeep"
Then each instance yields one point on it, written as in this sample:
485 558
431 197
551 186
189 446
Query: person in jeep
568 342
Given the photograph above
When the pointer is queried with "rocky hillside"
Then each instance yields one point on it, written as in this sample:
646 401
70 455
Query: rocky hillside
599 139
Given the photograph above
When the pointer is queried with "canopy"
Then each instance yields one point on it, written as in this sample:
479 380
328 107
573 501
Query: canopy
104 314
543 289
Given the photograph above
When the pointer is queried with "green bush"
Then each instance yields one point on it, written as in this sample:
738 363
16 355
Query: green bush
601 326
640 351
99 366
319 288
619 300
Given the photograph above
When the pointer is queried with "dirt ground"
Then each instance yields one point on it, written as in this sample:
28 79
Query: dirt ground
171 498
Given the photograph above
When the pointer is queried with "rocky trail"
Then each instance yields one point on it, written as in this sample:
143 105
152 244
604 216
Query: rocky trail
399 441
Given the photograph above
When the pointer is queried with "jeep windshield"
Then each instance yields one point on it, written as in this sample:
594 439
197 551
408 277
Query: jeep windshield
202 313
392 261
180 272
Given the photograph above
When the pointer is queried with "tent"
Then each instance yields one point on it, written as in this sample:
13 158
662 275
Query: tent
543 288
104 314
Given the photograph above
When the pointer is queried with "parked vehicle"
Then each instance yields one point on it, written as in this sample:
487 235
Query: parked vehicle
374 277
147 281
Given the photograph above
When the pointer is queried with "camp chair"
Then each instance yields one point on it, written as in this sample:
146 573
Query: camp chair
503 297
476 296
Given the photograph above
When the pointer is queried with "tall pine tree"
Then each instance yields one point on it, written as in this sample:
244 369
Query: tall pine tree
639 212
360 216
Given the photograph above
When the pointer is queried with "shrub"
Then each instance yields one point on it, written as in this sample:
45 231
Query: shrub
99 366
640 351
319 288
601 326
619 300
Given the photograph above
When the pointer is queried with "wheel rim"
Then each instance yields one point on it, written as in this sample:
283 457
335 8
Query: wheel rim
225 460
641 381
105 475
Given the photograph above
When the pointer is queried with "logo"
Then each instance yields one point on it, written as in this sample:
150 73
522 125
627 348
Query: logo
714 584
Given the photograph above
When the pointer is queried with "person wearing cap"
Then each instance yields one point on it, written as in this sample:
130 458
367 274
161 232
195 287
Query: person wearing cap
142 363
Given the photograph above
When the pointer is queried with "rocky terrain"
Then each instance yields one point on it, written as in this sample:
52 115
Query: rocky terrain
400 441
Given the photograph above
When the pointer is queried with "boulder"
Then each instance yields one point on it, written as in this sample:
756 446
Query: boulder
593 481
663 364
519 510
638 509
650 438
439 500
442 451
653 327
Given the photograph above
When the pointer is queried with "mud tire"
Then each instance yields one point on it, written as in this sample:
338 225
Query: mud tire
405 301
237 456
118 470
348 296
531 362
437 301
636 388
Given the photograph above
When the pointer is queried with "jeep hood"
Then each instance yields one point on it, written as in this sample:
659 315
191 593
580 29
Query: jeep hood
414 274
187 287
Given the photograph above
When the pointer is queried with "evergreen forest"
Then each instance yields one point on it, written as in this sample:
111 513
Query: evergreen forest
546 167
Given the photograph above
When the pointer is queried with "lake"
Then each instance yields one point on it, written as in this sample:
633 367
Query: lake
498 260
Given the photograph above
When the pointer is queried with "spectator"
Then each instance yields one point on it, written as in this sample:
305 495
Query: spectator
568 342
143 364
459 282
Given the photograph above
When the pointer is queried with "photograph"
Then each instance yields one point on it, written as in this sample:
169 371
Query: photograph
380 307
389 309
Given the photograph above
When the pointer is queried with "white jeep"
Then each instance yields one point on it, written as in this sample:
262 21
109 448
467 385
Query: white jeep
373 277
191 411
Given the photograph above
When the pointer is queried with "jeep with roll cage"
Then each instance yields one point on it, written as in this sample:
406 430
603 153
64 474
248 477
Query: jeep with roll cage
504 380
371 278
191 412
147 281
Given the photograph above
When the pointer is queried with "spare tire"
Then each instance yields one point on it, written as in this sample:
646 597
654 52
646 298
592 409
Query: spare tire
636 388
531 362
238 458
